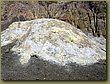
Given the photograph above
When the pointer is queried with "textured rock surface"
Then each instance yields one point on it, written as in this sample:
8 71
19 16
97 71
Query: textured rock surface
54 41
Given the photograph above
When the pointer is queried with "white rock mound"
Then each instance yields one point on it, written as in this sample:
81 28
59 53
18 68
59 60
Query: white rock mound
52 40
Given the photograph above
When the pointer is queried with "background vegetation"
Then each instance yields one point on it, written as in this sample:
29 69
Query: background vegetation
89 16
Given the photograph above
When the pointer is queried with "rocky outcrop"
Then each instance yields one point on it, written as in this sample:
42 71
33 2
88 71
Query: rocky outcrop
54 41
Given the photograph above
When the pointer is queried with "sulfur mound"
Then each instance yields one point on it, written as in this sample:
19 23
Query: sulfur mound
52 40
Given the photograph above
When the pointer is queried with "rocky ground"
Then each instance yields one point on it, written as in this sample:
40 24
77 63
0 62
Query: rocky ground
78 14
38 69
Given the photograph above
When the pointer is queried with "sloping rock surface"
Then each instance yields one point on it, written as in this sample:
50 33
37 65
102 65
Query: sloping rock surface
54 41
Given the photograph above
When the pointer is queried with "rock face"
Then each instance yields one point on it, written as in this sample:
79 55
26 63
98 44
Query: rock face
52 40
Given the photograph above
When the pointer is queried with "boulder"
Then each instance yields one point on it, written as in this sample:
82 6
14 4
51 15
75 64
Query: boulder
54 41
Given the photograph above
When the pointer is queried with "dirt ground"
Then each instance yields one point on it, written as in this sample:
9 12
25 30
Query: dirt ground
38 69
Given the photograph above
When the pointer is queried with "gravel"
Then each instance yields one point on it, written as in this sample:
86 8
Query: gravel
38 69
